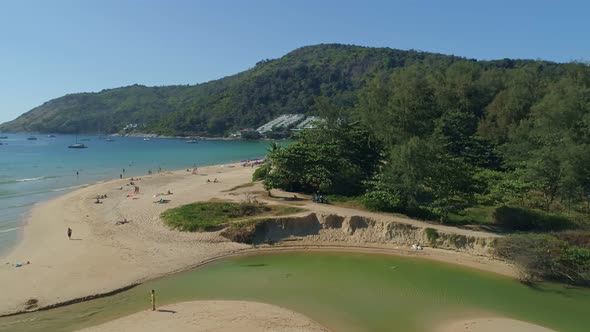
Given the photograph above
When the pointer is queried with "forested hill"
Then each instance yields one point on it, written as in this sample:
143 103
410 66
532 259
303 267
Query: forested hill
290 84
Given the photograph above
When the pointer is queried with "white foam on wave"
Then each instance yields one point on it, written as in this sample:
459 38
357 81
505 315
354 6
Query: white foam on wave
68 188
8 230
30 179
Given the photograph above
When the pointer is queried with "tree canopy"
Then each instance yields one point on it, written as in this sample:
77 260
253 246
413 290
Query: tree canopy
290 84
449 136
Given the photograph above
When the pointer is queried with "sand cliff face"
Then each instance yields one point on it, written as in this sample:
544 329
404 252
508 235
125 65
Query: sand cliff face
356 230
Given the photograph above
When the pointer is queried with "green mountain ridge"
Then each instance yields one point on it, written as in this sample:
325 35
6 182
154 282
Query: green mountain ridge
290 84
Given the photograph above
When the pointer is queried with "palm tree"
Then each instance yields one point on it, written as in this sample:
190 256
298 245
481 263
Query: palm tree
273 147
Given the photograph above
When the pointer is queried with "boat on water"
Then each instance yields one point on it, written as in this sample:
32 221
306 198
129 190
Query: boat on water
192 141
32 138
147 139
77 146
84 139
51 136
3 137
108 139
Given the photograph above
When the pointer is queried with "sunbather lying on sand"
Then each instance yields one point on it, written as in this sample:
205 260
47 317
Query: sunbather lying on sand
121 222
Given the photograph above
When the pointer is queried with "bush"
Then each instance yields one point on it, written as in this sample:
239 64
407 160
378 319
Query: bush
522 219
575 238
544 256
381 201
260 173
250 206
431 235
576 264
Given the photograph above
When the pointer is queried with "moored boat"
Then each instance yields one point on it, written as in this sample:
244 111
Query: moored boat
77 146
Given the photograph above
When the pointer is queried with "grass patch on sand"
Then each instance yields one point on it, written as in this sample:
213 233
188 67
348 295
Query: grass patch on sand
207 216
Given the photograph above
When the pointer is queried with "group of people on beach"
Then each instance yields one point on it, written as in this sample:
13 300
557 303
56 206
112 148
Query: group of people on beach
99 197
252 163
137 191
319 198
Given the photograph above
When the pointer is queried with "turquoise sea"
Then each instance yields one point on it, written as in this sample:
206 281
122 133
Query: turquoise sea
32 171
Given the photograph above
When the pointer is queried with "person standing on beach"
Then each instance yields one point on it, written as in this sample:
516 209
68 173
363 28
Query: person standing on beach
69 233
153 294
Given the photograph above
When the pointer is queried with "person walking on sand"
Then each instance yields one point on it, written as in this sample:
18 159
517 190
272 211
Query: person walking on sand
153 294
69 233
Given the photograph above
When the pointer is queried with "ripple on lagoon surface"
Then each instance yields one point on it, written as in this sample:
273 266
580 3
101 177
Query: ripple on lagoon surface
342 291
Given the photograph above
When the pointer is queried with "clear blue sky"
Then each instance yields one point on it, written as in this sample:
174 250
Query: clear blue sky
51 48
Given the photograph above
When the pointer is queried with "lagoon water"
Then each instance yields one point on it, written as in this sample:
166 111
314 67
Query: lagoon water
35 170
342 291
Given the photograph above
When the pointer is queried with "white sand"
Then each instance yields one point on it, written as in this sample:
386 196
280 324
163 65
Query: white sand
103 256
491 324
212 316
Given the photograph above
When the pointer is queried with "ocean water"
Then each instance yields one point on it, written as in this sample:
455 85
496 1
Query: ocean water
34 171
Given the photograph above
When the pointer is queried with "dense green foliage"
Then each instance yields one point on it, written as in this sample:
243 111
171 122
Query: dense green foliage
290 84
205 216
522 219
334 159
547 256
505 145
504 139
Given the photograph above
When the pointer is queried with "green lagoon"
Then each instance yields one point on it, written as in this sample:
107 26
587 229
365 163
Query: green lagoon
342 291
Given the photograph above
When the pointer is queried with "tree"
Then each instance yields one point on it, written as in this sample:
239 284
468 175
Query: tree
333 158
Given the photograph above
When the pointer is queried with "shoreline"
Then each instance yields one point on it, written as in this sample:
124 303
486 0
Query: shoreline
331 248
25 219
33 221
110 257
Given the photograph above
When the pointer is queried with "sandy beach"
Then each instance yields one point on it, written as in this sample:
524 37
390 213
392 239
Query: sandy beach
103 256
491 324
212 316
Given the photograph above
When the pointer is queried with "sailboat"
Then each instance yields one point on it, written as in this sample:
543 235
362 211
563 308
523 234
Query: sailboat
77 145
